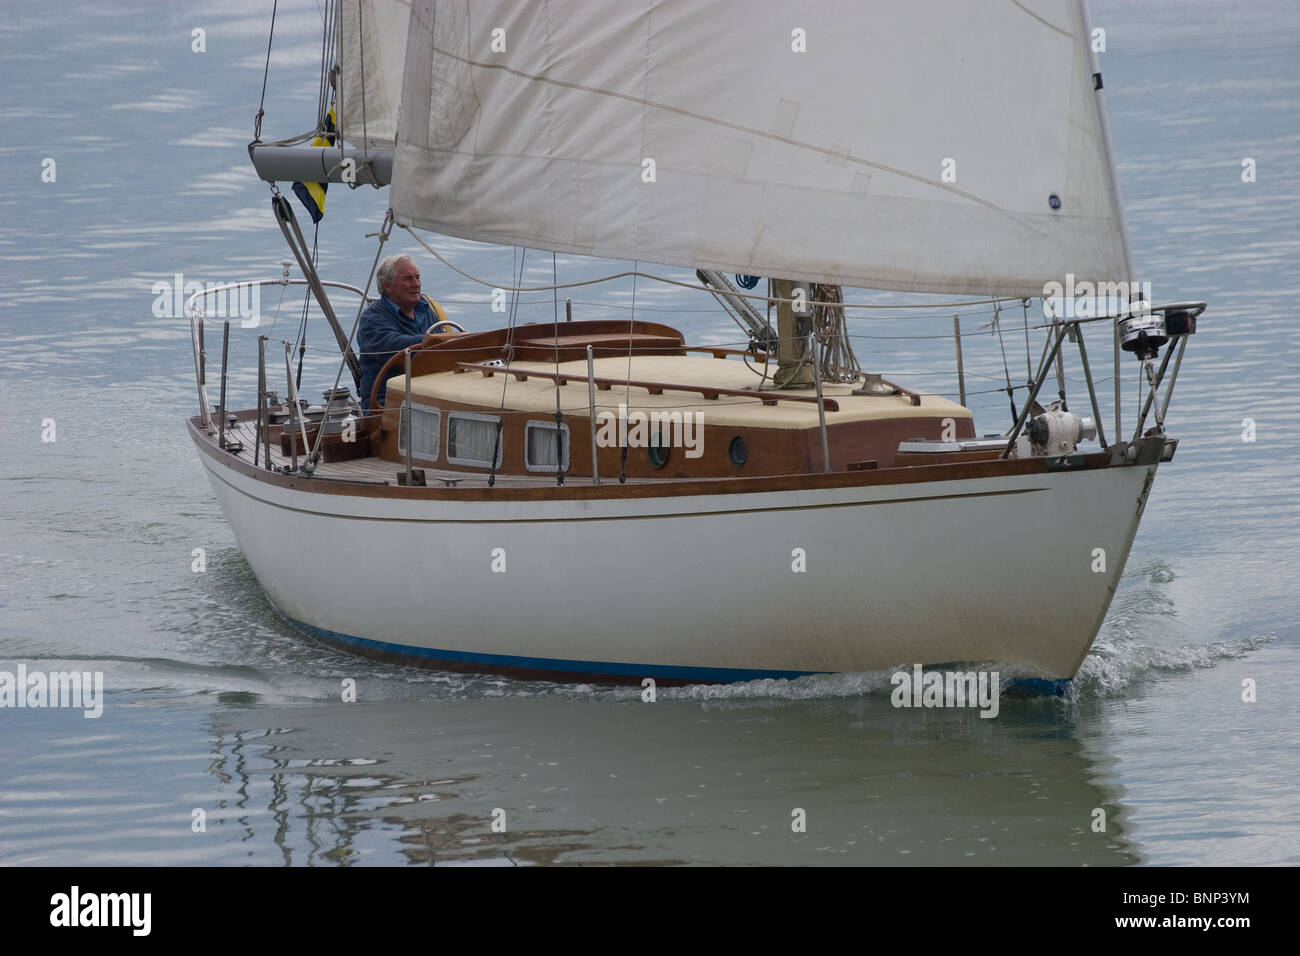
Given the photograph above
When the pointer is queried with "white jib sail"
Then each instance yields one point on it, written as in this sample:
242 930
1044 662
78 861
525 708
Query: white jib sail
372 32
938 145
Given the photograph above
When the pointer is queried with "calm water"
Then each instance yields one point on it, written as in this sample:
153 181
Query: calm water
214 703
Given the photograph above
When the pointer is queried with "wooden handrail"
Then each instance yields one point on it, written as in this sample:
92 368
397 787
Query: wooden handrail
718 351
913 397
710 392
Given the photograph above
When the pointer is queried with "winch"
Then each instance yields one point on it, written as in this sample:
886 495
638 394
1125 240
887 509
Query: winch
1055 432
342 410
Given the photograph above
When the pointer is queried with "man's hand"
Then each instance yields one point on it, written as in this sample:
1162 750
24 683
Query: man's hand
430 338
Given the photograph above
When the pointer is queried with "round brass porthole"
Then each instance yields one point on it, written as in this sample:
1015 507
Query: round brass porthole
658 455
738 452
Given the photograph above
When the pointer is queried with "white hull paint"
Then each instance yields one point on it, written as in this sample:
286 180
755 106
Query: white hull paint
703 587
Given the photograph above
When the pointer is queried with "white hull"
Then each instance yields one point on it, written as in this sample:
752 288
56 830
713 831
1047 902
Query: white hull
702 587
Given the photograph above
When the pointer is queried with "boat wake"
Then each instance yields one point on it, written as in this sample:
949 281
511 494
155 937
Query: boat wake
812 687
1108 671
1113 667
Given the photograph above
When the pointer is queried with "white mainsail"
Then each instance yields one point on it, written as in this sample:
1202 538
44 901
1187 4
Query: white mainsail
371 33
910 146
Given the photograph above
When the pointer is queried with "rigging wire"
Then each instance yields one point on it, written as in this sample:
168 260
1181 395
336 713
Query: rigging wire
734 400
1011 392
767 355
261 104
945 313
306 305
384 230
1029 374
1060 359
509 351
559 419
320 80
627 388
278 305
685 285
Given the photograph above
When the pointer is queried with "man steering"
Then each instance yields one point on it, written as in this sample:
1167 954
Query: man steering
396 321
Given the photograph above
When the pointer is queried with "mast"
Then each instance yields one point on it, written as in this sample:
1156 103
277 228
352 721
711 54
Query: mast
793 328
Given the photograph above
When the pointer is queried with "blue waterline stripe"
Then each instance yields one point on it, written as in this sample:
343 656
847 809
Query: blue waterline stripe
1033 686
707 675
1040 686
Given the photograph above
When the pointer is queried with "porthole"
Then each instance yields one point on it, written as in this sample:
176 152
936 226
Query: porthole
738 452
658 455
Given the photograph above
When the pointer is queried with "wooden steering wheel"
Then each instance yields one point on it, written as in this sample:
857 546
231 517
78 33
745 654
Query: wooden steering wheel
437 326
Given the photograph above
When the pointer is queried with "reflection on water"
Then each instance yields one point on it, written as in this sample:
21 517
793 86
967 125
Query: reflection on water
671 782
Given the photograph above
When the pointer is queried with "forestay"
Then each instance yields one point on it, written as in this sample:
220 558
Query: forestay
909 146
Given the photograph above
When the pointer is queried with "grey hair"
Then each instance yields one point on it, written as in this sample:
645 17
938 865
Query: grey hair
388 270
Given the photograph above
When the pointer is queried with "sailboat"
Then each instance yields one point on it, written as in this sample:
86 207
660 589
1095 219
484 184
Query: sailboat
600 498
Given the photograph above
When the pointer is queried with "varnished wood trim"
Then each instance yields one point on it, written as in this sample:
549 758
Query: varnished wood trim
913 397
516 520
719 352
576 489
538 342
654 388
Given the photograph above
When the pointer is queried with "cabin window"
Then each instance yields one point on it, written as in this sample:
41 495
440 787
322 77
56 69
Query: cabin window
738 451
658 455
546 447
471 439
425 423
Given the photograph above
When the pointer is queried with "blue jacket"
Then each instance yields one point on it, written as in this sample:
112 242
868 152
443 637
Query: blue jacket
385 331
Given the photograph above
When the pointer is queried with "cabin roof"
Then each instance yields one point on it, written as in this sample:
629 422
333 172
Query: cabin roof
538 394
